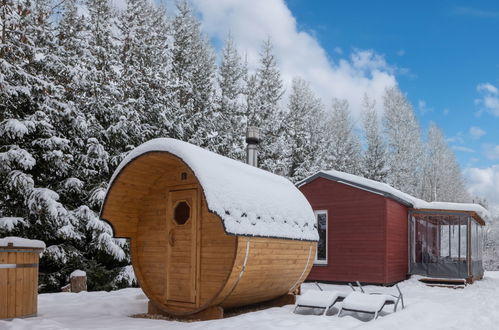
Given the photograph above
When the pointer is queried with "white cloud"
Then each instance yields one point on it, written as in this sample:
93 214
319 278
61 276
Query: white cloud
338 50
298 52
474 12
489 99
476 132
458 138
463 149
446 111
491 151
487 87
423 107
484 182
400 52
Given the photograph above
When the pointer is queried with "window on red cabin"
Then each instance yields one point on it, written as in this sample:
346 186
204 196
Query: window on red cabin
321 225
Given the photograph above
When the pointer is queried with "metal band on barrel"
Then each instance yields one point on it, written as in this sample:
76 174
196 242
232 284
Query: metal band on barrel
21 250
10 266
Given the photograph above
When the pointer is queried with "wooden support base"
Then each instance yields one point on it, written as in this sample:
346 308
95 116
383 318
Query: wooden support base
211 313
287 299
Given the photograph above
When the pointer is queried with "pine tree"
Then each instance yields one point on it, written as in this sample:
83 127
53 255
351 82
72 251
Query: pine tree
403 142
343 146
102 90
37 159
374 164
193 71
230 121
264 111
44 134
304 132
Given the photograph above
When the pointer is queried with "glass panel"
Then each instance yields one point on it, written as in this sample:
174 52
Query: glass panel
432 241
474 238
445 241
412 240
464 236
480 250
322 244
181 213
420 246
438 244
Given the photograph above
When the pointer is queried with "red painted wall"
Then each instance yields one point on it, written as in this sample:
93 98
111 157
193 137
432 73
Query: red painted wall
397 242
363 244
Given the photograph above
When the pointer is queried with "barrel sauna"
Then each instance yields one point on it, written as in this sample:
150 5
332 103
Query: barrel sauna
207 232
19 277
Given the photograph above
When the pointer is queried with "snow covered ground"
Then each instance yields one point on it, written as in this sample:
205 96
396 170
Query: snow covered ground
475 307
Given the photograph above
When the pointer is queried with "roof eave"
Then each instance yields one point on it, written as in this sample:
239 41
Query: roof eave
321 174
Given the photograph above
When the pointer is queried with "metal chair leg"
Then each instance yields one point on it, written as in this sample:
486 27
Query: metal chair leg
360 286
401 296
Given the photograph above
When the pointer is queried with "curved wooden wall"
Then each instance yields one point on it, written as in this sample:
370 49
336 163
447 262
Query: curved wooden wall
231 270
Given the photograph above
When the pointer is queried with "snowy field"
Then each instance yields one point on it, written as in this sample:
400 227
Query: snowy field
475 307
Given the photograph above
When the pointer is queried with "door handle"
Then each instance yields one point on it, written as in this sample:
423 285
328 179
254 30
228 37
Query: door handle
171 237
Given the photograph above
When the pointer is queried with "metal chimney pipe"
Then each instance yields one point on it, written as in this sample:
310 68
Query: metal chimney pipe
252 139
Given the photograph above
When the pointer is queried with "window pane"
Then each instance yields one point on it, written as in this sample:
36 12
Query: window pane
445 240
322 228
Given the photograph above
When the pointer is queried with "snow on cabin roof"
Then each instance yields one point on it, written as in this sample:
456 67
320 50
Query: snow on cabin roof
249 200
21 242
395 194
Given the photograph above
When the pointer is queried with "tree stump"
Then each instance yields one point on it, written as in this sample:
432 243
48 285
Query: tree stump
77 282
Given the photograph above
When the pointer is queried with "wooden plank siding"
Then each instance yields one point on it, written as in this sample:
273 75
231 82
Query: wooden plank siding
203 265
364 234
397 242
18 282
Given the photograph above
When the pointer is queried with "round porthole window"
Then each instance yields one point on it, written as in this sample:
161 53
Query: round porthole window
182 213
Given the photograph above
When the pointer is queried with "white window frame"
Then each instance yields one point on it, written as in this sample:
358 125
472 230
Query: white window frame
317 261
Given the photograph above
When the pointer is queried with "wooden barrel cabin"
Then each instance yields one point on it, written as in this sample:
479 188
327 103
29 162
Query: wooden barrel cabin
19 277
207 232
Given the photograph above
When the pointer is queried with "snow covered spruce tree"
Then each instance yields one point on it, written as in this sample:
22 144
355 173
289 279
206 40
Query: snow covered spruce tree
343 146
230 119
43 134
404 144
374 162
143 82
304 132
265 90
193 71
442 180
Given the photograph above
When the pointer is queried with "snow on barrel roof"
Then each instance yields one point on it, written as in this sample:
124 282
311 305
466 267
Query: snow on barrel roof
249 200
21 242
390 192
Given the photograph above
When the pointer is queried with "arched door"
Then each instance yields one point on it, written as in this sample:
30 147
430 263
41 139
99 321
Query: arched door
182 265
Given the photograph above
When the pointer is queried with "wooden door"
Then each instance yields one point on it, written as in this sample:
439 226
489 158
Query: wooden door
182 265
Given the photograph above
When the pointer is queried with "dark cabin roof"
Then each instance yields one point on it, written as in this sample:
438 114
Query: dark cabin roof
388 191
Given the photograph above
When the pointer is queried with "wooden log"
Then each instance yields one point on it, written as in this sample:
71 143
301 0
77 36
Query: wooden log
287 299
211 313
78 284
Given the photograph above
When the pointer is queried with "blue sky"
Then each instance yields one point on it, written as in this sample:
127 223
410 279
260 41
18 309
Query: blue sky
443 54
444 50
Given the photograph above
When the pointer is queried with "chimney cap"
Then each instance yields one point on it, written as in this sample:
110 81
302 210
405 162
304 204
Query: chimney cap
253 135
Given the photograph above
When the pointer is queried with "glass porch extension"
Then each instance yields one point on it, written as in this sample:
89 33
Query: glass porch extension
445 245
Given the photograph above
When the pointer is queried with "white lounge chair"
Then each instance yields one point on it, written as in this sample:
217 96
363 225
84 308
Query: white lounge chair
319 299
370 303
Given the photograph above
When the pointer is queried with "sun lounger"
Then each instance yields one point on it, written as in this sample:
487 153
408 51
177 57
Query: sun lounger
372 303
319 299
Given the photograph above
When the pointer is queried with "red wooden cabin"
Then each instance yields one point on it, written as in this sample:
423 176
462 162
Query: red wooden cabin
368 230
